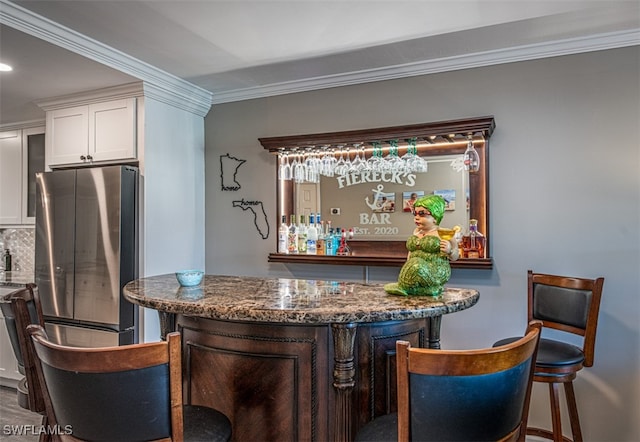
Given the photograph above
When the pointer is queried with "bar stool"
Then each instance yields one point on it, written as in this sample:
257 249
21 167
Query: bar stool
126 393
17 317
460 395
570 305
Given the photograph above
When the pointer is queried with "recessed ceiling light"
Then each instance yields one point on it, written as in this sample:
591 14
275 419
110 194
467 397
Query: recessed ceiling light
5 67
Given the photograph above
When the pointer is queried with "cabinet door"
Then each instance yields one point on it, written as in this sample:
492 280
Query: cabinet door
32 163
10 177
67 135
8 361
112 130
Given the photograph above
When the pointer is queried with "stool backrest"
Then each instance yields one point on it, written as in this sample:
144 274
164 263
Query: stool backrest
21 308
568 304
464 395
131 392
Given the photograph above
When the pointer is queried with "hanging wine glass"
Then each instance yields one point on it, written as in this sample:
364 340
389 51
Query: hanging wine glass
383 165
409 157
392 162
415 163
297 167
300 172
310 170
340 168
358 162
363 151
317 162
284 170
328 161
374 161
347 161
313 165
419 164
471 158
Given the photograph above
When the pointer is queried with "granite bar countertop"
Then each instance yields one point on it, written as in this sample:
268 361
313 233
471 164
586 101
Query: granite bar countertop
299 301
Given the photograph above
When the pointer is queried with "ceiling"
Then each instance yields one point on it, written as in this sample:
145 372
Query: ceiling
235 50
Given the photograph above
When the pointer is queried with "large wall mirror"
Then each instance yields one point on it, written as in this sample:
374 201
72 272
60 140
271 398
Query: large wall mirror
366 180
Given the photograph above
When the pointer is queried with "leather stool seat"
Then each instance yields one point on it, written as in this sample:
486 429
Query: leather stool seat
552 353
204 423
383 428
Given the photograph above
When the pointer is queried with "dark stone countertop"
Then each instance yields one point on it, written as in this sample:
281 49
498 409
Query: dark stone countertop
15 278
298 301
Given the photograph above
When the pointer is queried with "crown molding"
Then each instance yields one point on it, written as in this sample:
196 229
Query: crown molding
162 85
467 61
22 125
130 90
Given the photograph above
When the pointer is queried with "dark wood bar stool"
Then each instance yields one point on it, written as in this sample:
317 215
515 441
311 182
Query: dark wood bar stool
126 393
570 305
455 395
21 308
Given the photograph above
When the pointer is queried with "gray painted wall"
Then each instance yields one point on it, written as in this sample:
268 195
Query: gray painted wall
564 199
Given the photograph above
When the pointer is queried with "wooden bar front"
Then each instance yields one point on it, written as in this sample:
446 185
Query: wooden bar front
288 363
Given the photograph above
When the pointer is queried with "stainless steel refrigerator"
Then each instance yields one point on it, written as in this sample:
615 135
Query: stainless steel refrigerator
86 236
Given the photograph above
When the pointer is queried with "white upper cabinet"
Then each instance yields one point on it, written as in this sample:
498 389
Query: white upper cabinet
94 133
21 157
67 135
112 130
10 177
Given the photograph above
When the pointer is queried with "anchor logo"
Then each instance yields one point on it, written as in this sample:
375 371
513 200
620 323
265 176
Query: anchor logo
376 197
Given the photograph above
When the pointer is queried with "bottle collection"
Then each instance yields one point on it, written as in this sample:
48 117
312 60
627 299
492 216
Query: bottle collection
314 237
317 237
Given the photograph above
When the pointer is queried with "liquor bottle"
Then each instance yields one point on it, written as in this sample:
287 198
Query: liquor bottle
320 229
283 231
458 236
292 237
7 260
302 235
473 244
343 248
328 239
336 240
320 250
312 237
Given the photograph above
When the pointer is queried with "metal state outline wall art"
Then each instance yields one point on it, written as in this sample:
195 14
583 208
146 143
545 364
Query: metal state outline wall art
228 178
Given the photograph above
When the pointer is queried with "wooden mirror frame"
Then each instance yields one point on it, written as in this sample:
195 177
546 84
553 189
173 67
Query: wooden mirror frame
383 252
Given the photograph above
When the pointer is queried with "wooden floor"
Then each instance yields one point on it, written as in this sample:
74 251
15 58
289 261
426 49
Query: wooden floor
13 417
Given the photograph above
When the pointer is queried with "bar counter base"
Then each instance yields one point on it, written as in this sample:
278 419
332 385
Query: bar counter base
279 382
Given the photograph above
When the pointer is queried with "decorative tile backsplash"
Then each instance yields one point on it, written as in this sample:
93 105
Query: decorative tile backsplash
21 243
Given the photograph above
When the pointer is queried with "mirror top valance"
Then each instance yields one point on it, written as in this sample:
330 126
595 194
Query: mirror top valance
442 145
427 133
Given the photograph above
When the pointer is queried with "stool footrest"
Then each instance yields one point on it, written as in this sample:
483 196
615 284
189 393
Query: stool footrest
22 392
545 434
